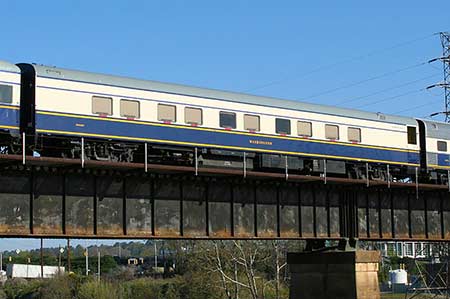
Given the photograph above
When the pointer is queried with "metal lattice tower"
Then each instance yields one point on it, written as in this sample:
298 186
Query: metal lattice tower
445 41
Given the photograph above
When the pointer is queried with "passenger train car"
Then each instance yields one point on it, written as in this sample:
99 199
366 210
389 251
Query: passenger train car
116 116
435 137
9 103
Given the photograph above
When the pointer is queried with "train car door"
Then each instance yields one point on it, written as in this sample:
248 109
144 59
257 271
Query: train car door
413 144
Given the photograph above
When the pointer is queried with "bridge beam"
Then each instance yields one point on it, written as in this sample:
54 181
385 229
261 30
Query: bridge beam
100 203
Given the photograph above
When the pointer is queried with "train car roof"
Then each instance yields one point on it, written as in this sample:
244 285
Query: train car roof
438 130
9 67
126 82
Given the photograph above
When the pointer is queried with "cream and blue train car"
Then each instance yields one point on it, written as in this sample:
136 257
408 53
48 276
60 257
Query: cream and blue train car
79 104
9 101
437 149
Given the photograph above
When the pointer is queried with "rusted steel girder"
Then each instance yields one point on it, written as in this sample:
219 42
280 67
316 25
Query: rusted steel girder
55 198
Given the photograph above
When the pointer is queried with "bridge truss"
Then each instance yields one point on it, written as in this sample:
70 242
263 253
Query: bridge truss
56 198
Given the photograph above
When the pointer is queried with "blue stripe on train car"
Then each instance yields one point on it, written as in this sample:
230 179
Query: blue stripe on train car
184 135
443 160
9 117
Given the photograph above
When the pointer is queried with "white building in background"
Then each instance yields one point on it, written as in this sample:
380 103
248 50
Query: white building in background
32 271
406 249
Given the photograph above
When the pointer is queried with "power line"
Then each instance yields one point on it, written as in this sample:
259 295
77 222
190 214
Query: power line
366 80
391 98
386 89
417 107
422 105
330 66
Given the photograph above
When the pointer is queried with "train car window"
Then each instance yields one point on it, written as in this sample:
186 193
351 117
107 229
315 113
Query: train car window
251 122
354 134
442 146
282 126
129 109
304 128
412 135
193 116
227 120
101 105
6 93
167 113
331 132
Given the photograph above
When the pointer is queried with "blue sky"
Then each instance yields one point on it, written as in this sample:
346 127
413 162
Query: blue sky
362 54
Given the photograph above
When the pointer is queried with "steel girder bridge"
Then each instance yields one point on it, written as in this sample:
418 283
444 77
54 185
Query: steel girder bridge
59 198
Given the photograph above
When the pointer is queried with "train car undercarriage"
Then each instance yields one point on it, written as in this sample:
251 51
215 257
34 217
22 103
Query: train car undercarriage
118 151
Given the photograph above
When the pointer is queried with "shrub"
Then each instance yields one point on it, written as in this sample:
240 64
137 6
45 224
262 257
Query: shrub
171 292
147 288
201 285
60 287
20 288
99 290
144 288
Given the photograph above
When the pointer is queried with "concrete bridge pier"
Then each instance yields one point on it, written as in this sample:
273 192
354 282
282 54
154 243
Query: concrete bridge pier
334 274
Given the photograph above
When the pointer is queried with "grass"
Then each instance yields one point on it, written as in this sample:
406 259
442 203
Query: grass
392 296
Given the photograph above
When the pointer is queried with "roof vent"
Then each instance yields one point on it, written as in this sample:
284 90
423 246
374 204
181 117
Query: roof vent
381 116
